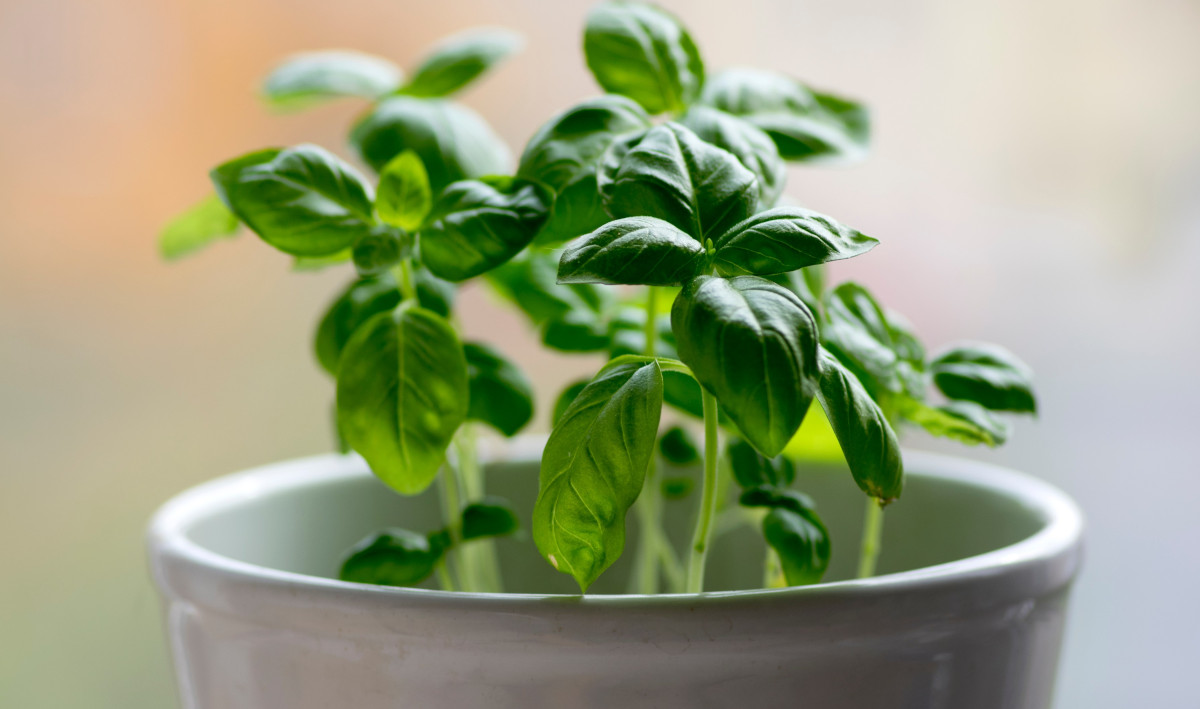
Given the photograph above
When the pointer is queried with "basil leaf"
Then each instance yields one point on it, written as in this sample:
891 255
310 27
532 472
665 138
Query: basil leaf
772 338
304 201
673 175
302 264
477 225
643 52
364 299
313 77
529 281
677 447
202 224
593 468
989 375
870 445
394 557
748 143
404 197
402 393
857 330
577 331
785 239
751 469
433 293
563 402
493 517
451 140
633 251
459 60
807 283
801 540
501 395
677 488
963 421
379 249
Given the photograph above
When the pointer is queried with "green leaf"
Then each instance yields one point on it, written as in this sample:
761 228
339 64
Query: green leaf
529 281
753 344
565 398
677 488
677 447
501 395
751 469
477 225
493 517
459 60
451 140
785 239
871 341
870 445
394 557
577 331
987 374
593 468
402 393
673 175
433 293
643 52
747 142
808 283
379 249
304 201
202 224
404 197
963 421
633 251
313 77
302 264
802 542
364 299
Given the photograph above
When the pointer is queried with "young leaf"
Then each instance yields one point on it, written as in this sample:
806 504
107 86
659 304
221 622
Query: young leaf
643 52
752 147
379 249
402 393
753 344
870 445
677 447
459 60
593 468
199 226
528 281
989 375
751 469
394 557
493 517
963 421
565 398
404 197
859 332
304 201
801 541
633 251
673 175
364 299
501 395
477 225
786 239
312 77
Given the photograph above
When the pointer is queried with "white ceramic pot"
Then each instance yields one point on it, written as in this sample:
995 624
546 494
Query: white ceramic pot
967 614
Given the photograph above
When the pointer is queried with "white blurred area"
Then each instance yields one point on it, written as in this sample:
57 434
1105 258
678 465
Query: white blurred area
1035 182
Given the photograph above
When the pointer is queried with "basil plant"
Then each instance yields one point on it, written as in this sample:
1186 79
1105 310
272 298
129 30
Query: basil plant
648 224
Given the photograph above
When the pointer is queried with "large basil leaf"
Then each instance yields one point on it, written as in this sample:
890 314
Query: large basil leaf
304 201
360 302
453 142
751 469
671 174
312 77
643 52
753 344
752 147
404 197
593 468
529 281
501 395
394 557
785 239
633 251
459 60
196 228
987 374
870 445
963 421
402 393
477 225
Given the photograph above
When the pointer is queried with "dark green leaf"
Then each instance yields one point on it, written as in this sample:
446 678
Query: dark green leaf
633 251
433 293
593 468
313 77
860 333
627 333
529 281
785 239
751 469
752 147
196 228
379 249
809 284
677 488
989 375
394 557
577 331
459 60
404 197
677 447
501 395
493 517
565 398
801 541
963 421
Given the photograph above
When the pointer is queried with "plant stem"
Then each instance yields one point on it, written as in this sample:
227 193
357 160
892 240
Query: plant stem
871 538
651 320
708 500
448 491
443 574
404 279
478 556
649 510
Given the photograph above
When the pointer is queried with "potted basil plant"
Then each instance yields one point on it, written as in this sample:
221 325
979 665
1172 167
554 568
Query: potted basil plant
735 553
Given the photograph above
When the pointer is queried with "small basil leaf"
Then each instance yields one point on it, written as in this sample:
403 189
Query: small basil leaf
404 197
858 332
673 175
801 541
312 77
394 557
751 469
963 421
529 282
477 225
593 468
493 517
989 375
565 397
501 395
402 393
752 147
682 393
459 60
451 140
643 52
433 293
302 264
364 299
379 249
870 445
785 239
677 488
577 331
677 447
633 251
199 226
769 495
772 338
304 201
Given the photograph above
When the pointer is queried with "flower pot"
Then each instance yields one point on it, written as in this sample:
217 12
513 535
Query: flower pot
967 612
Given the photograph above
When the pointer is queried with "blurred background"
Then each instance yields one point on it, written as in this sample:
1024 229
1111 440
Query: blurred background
1035 182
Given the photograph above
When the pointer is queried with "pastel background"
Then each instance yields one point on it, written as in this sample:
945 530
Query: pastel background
1035 181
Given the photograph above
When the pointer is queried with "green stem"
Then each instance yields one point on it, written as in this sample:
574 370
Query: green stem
448 491
708 500
479 556
649 510
404 279
871 539
443 574
651 320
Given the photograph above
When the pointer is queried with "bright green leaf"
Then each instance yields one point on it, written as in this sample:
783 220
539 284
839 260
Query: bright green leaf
501 395
199 226
404 197
379 249
459 60
963 421
364 299
312 77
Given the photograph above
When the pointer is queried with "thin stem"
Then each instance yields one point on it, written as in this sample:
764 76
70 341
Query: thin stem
708 500
651 320
443 574
404 279
871 538
649 509
448 491
479 556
